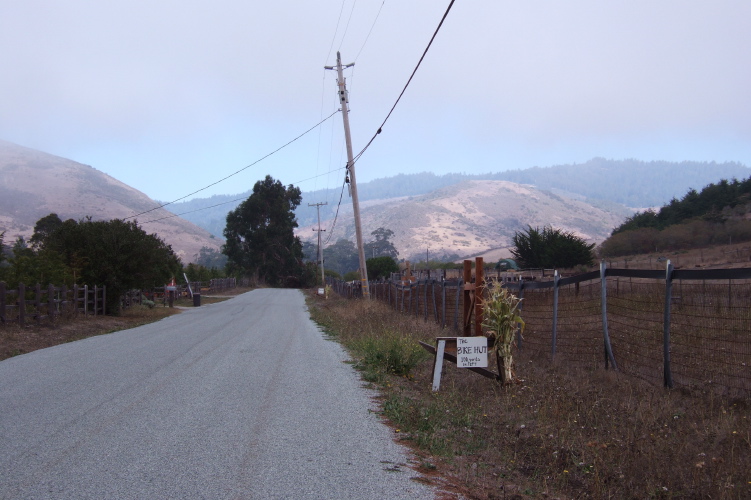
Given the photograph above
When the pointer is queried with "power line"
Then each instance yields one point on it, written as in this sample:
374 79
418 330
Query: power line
336 30
191 211
407 84
235 200
336 216
371 30
235 173
346 28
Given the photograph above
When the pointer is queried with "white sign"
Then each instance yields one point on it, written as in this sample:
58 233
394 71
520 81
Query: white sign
471 352
321 291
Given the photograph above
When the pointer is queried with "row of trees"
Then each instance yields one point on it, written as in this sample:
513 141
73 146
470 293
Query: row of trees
117 254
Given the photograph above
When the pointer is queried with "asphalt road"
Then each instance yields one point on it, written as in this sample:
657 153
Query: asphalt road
239 399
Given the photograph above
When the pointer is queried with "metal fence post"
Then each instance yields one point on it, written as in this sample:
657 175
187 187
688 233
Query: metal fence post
521 305
667 375
556 279
609 358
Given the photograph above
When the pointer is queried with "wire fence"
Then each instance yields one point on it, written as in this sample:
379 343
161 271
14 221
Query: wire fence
679 328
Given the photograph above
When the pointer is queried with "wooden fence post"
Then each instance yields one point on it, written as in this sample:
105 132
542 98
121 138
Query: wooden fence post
459 284
50 303
467 296
521 305
38 301
63 299
435 306
2 302
479 291
443 302
21 304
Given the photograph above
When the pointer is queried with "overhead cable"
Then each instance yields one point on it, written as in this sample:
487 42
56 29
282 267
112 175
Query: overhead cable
336 216
235 173
358 155
371 30
235 200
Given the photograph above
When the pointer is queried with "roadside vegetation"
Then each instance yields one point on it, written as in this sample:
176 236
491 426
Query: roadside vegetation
558 432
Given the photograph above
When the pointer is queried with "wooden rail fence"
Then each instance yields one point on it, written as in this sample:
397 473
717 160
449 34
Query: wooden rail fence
37 303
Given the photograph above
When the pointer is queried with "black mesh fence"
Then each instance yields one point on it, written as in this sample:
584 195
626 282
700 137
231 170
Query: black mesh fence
707 333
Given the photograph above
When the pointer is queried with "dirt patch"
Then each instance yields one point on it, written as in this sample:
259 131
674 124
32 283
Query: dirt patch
15 340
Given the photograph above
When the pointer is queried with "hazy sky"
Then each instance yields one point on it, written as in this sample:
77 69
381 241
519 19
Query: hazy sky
169 96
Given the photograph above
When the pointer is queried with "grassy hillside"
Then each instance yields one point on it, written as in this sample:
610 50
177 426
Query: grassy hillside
603 183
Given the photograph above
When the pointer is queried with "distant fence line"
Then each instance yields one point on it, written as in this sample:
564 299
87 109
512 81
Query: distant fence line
675 327
157 293
37 303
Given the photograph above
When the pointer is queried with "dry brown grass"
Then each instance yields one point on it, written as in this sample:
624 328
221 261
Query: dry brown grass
563 432
15 340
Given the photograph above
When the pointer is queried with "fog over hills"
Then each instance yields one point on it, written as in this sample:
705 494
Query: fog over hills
610 190
34 184
449 215
472 218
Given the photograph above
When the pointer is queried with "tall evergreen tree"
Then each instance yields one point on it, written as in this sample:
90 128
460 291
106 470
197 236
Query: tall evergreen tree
260 234
381 246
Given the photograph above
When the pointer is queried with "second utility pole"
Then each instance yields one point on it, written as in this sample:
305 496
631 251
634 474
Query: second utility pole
343 100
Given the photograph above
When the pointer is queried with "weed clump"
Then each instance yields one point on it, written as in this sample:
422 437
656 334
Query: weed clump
389 352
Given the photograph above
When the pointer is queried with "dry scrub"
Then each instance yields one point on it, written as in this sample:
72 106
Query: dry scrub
559 433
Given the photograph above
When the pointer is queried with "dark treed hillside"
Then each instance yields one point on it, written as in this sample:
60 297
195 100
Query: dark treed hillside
631 183
715 215
714 203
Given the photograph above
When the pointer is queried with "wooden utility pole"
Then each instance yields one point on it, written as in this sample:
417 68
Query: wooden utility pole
344 100
320 250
